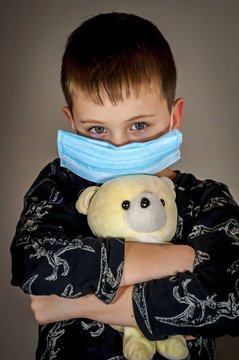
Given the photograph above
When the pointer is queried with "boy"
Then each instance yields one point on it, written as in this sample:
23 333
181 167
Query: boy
119 80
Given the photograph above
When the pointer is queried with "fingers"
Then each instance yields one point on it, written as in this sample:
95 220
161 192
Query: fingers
189 337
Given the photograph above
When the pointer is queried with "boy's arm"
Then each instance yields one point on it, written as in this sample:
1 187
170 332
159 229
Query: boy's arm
138 265
145 262
49 309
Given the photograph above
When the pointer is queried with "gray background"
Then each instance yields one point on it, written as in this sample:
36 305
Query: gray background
204 36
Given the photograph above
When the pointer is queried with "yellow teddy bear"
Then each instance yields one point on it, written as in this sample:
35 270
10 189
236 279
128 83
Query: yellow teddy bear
137 208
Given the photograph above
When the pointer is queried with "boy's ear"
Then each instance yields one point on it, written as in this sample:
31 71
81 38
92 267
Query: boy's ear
177 113
69 117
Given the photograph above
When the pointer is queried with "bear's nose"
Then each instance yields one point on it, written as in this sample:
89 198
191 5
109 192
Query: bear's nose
144 203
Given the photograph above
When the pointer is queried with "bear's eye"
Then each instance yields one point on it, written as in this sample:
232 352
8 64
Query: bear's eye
144 203
125 204
162 201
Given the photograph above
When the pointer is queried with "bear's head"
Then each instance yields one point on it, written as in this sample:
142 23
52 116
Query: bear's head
134 207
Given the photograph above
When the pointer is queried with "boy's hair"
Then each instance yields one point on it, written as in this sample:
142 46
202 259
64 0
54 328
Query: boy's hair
111 54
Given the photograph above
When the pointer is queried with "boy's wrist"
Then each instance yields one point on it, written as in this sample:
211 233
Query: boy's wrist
82 307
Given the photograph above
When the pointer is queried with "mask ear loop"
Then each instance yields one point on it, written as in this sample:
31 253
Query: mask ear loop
74 129
171 122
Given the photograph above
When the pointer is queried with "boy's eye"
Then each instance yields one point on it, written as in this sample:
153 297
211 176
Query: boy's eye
139 126
97 129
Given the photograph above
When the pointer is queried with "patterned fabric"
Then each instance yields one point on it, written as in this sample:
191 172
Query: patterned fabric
47 248
54 252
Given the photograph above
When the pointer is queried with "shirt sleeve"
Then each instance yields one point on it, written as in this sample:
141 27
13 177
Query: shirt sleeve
205 302
54 251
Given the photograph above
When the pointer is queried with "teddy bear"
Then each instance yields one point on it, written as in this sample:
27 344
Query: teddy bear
136 208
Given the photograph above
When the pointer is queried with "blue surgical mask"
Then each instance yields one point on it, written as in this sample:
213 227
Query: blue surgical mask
99 161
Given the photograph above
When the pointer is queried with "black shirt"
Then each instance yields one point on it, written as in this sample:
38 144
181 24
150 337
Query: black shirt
54 252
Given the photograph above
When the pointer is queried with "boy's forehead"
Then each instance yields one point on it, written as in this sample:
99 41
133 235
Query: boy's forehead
137 104
101 97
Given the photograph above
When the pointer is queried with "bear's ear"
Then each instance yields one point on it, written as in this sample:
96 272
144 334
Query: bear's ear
167 181
170 184
83 203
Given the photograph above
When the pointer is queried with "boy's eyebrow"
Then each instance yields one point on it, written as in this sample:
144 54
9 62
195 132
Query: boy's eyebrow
140 116
91 121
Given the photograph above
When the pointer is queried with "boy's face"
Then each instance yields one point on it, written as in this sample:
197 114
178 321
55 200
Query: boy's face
139 118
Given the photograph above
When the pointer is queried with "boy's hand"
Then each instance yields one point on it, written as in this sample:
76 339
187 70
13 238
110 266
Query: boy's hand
52 308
